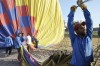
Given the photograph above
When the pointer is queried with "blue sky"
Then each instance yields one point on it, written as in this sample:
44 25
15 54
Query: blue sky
93 6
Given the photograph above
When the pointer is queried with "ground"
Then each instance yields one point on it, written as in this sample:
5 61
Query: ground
8 60
63 45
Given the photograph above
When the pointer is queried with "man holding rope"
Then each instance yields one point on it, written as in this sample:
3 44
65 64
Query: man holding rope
99 34
81 37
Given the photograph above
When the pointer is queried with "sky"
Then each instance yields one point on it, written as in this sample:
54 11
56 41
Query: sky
93 6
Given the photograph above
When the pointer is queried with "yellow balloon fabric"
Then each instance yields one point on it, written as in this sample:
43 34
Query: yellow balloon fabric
48 20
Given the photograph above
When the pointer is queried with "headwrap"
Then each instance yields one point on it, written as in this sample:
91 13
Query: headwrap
78 25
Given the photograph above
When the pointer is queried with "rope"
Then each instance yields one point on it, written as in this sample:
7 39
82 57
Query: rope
82 2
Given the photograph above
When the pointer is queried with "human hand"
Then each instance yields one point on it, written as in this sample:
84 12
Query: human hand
83 7
79 2
73 8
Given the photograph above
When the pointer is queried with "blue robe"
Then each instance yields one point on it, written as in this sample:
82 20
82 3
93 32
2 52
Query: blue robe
8 41
17 42
82 53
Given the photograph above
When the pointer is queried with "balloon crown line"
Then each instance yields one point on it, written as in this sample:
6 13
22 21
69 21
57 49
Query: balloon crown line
80 2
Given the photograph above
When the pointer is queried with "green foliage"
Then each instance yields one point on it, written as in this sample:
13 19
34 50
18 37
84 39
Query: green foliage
66 34
95 34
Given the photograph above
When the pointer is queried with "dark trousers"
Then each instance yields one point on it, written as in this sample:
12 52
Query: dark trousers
19 53
8 50
36 44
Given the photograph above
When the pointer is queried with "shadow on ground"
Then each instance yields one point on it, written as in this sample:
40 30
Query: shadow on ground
9 63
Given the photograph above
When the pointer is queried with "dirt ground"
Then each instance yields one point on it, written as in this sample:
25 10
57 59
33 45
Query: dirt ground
8 60
63 45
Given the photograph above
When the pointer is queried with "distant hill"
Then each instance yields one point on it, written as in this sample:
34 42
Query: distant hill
94 29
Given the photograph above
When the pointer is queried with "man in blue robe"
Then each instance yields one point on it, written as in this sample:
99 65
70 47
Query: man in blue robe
99 31
18 44
8 44
81 38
